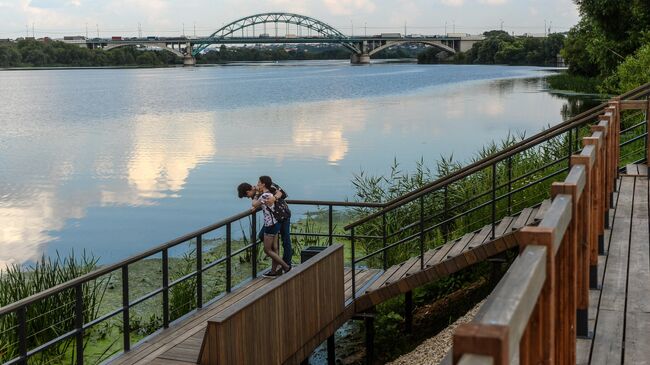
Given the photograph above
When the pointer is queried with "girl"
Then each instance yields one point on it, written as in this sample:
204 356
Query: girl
271 229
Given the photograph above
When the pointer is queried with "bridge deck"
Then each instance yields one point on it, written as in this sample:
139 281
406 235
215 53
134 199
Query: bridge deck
620 311
180 344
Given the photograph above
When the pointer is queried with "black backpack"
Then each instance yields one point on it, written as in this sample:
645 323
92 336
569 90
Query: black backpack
281 211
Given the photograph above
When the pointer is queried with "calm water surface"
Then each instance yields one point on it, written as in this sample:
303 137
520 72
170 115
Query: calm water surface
116 161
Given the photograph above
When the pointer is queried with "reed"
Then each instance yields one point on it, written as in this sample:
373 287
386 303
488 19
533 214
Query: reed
50 317
461 207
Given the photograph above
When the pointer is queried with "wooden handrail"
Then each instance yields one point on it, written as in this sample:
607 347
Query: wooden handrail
541 304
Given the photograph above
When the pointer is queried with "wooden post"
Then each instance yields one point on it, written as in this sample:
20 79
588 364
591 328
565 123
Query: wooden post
603 128
491 340
598 188
547 298
587 257
567 264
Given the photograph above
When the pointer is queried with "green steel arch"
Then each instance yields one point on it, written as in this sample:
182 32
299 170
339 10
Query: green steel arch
316 25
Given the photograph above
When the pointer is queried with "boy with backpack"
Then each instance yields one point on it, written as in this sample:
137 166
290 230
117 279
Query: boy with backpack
280 213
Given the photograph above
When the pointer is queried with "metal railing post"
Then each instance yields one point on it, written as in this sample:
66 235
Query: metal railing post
254 244
494 198
445 216
647 130
570 145
330 213
199 271
165 287
422 232
354 274
228 258
384 240
126 322
510 185
79 323
21 315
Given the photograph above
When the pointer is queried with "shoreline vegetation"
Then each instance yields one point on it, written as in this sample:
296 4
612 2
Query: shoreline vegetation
54 54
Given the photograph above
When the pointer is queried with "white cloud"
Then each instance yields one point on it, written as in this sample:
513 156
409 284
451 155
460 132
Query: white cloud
452 2
349 7
533 11
493 2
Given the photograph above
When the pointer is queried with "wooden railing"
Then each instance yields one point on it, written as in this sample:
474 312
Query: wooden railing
540 306
272 325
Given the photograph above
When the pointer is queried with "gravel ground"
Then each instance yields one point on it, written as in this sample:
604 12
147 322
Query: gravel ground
433 350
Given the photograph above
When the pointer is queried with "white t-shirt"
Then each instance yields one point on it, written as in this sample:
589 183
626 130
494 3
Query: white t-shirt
269 220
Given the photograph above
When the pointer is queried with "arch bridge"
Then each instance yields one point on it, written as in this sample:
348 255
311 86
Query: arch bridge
308 30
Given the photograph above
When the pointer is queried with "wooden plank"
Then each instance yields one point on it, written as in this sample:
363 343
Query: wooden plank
637 341
608 340
427 256
615 280
404 267
382 279
637 324
440 254
533 214
631 169
541 211
478 240
521 220
453 262
460 245
643 170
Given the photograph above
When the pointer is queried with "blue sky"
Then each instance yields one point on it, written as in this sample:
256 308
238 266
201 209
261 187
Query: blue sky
56 18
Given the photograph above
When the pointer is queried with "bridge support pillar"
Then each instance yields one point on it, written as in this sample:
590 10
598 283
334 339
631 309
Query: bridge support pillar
360 59
189 61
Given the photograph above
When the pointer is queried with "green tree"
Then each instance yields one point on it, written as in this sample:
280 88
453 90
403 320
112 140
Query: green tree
633 72
9 56
609 31
575 50
146 58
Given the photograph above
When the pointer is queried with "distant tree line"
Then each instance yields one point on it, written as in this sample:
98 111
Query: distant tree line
225 54
32 53
499 47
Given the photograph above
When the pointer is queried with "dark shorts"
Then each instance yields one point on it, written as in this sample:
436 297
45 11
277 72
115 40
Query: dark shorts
274 229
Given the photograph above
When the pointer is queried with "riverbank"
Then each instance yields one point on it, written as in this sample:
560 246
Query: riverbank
573 84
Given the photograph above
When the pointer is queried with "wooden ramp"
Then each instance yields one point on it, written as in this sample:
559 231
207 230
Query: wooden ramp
620 311
448 258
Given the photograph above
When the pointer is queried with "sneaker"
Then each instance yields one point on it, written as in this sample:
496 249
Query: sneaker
271 274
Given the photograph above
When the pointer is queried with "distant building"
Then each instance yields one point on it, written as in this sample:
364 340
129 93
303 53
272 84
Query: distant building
535 35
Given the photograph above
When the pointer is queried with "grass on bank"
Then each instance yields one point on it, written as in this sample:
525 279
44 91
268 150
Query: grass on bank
576 83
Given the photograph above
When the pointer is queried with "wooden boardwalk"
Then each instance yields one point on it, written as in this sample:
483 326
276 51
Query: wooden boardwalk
181 343
619 313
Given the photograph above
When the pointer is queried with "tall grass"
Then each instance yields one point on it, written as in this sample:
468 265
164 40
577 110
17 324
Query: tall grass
461 207
52 316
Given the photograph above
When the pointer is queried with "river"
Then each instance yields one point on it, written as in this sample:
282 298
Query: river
114 161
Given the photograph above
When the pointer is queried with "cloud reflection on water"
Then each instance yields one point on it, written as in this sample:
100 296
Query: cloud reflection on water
154 159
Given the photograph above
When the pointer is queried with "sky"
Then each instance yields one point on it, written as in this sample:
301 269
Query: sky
56 18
